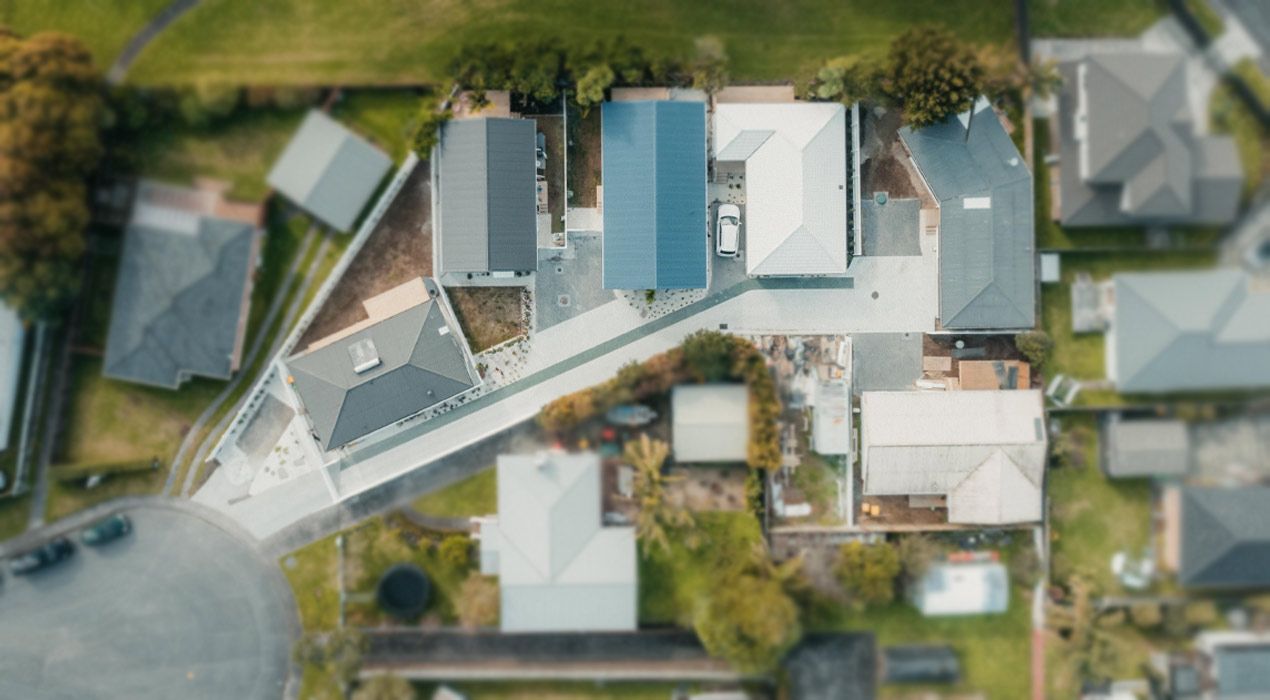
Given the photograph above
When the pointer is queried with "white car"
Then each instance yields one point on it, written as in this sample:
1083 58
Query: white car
727 230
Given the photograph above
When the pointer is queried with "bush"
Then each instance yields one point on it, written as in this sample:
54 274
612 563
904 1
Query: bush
1036 346
477 602
456 551
932 74
751 622
1146 615
428 132
868 572
75 472
592 85
1201 613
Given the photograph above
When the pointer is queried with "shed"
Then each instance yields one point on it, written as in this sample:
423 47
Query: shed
969 588
711 422
920 663
1146 447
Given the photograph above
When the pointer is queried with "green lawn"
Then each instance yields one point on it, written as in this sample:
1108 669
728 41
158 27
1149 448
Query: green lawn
563 690
672 583
1085 502
1209 20
475 495
239 150
375 42
105 26
65 499
1082 18
1229 115
311 571
386 117
13 516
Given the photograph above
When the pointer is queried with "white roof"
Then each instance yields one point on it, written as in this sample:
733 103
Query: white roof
559 568
11 338
984 450
964 589
831 426
795 158
711 422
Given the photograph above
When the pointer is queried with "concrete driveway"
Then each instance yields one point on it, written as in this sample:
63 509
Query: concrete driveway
178 609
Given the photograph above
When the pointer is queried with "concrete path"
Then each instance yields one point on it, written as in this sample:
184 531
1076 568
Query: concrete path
181 607
132 50
274 308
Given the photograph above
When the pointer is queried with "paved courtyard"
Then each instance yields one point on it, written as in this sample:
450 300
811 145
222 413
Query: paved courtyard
178 609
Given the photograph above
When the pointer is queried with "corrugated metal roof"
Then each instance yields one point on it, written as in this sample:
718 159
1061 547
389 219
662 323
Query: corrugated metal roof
654 174
1148 447
486 199
711 422
329 171
987 265
1225 537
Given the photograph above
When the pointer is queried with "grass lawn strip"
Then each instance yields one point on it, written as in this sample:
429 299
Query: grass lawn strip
475 495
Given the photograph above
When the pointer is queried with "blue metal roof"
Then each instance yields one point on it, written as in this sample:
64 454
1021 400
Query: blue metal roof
654 175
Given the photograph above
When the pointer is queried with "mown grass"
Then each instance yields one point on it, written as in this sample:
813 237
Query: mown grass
1229 115
1087 18
104 26
386 117
672 583
373 42
475 495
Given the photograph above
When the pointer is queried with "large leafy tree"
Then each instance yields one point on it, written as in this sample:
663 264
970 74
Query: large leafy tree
932 74
657 517
50 112
868 572
751 621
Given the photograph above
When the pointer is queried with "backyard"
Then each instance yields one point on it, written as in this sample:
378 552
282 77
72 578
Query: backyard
1080 18
488 315
104 25
671 583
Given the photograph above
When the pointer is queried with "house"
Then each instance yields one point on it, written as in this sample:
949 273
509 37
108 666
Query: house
329 171
711 422
1189 331
654 174
982 452
486 218
12 339
184 286
963 588
559 568
987 234
405 357
795 161
1235 664
1217 537
1130 150
1146 447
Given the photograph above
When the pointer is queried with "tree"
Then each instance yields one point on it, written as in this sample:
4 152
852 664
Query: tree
428 132
657 516
709 65
385 687
848 78
51 109
456 550
868 572
477 602
710 355
591 86
917 551
749 620
932 75
1036 346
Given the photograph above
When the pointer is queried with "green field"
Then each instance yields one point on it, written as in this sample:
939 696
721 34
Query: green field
475 495
378 42
105 26
1079 18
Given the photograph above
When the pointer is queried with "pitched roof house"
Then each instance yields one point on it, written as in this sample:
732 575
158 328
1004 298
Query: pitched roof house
711 422
559 568
1188 331
987 237
406 357
984 451
654 174
795 157
329 171
183 287
1225 537
486 203
1130 151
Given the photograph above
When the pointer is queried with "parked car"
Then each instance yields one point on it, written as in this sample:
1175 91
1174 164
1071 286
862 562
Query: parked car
41 557
727 233
540 153
107 530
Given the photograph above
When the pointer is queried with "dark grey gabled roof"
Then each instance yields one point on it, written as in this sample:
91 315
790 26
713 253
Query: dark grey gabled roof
178 302
987 266
485 186
421 363
1225 537
1147 447
833 666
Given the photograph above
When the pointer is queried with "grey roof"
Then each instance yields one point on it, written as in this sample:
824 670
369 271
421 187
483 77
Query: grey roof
1243 671
833 666
1140 160
485 192
1185 331
329 171
711 422
885 361
420 364
987 252
179 301
1225 537
1147 447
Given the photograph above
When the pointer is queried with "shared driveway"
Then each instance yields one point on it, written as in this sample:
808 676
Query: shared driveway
178 609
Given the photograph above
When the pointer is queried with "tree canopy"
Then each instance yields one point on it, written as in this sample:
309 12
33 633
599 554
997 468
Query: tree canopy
868 572
50 112
932 74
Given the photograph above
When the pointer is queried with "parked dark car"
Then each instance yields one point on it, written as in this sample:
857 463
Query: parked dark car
42 557
107 530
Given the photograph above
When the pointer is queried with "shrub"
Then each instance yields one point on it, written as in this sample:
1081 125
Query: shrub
868 572
1146 615
932 74
1200 613
751 622
428 132
1036 346
591 87
477 602
456 551
917 552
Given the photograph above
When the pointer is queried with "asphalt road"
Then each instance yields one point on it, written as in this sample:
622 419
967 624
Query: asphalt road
178 609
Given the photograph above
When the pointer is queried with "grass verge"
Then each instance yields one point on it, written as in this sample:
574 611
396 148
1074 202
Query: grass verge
475 495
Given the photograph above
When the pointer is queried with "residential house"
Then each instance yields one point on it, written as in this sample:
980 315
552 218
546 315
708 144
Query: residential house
1145 447
1218 538
559 568
12 339
1235 664
654 173
987 234
794 157
329 171
1130 150
184 284
979 454
963 588
1189 331
484 189
407 356
711 422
